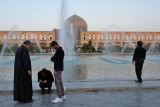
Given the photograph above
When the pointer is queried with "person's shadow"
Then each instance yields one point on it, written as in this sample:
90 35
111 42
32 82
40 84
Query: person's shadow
19 104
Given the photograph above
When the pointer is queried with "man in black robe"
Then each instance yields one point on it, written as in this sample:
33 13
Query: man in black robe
45 79
22 74
139 57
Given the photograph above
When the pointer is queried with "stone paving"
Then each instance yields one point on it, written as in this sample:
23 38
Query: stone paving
138 98
92 85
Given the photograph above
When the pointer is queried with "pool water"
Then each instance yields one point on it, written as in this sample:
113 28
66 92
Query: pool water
87 68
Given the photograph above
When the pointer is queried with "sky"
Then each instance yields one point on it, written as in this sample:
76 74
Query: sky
44 15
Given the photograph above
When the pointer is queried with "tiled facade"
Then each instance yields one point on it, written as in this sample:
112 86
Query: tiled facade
44 38
99 39
82 36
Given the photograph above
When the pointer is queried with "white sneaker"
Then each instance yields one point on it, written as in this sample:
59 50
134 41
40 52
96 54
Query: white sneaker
64 97
58 100
64 89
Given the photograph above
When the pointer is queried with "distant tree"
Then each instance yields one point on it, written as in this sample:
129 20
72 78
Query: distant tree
88 48
90 43
128 49
14 48
93 49
34 48
114 48
159 48
147 47
1 45
99 51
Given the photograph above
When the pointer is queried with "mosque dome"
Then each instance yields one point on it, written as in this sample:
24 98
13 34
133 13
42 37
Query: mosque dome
76 21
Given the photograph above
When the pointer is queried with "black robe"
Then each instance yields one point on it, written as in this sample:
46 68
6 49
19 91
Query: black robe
22 79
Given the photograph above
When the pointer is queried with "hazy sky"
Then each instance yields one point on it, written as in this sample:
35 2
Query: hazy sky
128 15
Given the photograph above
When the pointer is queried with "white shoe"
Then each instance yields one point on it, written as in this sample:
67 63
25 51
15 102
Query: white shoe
64 97
58 100
64 89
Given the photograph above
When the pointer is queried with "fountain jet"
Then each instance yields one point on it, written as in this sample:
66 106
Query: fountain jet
152 47
13 31
66 37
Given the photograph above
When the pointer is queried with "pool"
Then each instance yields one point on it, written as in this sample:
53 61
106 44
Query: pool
88 68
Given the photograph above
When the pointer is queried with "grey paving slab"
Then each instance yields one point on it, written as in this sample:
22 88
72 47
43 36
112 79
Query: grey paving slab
136 98
92 85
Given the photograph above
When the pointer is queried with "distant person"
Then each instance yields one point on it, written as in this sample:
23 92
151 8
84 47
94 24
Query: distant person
58 68
22 74
45 79
139 57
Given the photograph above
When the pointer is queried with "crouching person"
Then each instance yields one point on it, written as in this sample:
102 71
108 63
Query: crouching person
45 79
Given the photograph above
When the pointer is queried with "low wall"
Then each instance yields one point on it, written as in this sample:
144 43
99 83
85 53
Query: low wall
39 54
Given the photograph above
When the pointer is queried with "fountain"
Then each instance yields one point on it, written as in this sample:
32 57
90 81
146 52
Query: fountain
72 43
35 39
66 37
13 31
99 40
152 47
106 39
91 68
128 41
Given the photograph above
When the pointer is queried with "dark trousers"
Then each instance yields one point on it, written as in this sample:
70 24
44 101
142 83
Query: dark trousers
139 67
59 83
45 85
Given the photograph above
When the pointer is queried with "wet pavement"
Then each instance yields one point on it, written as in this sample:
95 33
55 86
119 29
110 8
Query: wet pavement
136 98
93 85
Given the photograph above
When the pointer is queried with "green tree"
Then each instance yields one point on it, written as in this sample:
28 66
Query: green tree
1 45
147 47
88 48
99 51
34 48
159 48
14 48
128 49
90 43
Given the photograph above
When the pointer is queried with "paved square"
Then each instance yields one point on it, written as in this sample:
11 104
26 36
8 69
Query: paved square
138 98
